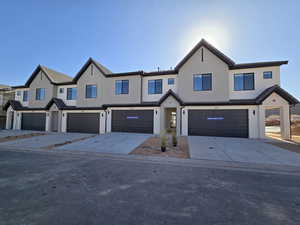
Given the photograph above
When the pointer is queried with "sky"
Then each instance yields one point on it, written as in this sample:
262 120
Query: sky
132 35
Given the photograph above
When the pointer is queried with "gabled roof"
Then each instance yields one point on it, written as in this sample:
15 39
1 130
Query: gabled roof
53 76
170 93
58 102
16 105
211 48
90 61
278 90
257 64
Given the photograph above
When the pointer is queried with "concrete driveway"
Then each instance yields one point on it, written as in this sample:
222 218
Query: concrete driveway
109 143
51 138
240 150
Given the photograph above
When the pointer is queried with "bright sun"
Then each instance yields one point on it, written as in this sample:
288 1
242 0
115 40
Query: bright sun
213 32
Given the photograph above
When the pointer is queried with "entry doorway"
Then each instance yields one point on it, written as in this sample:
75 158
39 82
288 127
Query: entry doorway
54 121
170 120
273 124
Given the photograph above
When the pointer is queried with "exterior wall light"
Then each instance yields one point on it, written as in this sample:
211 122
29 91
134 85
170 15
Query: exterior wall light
156 111
254 112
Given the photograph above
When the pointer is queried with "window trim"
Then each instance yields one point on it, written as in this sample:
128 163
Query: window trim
155 81
86 91
171 78
201 74
268 77
39 95
122 91
71 99
26 96
252 73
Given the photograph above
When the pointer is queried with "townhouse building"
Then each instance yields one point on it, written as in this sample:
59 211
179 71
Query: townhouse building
206 93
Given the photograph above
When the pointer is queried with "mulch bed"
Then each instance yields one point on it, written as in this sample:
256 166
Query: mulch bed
12 138
151 147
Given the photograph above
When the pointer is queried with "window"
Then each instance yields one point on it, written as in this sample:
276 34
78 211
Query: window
244 81
171 81
155 86
25 96
121 87
61 90
18 93
268 75
91 91
203 82
40 94
71 93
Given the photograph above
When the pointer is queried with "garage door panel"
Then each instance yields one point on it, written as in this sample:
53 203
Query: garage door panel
138 121
83 122
224 123
33 121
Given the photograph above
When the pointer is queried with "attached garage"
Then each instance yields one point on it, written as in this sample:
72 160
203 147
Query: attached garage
33 121
222 123
138 121
83 122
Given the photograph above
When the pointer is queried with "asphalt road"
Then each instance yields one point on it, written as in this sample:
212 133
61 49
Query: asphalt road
63 189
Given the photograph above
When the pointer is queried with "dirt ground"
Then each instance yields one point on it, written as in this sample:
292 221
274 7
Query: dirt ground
12 138
293 146
151 147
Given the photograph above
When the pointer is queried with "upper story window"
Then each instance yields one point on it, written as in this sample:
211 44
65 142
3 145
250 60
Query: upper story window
71 93
40 94
268 75
91 91
61 90
18 93
171 81
121 87
155 86
243 81
25 96
203 82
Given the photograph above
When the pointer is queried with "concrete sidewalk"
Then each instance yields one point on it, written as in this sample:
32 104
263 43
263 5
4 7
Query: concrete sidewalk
240 150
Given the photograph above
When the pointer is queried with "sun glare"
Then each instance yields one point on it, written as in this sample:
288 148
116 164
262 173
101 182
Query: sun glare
213 32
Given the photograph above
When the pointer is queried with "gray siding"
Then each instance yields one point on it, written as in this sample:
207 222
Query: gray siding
211 64
41 81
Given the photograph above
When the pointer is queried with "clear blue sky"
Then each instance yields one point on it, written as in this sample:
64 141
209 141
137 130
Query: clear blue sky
142 35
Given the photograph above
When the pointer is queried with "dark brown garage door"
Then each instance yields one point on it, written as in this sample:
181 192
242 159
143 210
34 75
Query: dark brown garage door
139 121
223 123
33 121
83 122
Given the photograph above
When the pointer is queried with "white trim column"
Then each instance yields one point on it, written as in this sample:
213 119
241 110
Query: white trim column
156 121
108 120
48 122
285 121
102 122
184 121
64 122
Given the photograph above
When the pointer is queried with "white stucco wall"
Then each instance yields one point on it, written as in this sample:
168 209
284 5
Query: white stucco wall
20 97
63 95
260 84
155 97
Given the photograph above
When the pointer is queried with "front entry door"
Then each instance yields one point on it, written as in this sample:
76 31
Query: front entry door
54 121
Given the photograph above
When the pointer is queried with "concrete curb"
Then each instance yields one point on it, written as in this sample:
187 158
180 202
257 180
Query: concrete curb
211 164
